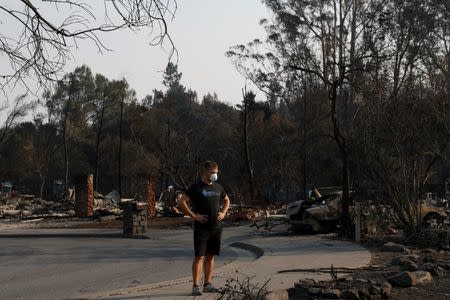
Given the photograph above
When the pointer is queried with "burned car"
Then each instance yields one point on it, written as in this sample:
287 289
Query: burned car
321 214
316 214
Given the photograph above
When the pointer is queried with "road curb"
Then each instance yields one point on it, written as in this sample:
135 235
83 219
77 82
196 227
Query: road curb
63 235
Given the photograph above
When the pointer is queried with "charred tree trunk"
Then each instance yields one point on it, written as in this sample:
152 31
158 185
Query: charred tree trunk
65 141
304 148
97 145
346 224
248 98
119 159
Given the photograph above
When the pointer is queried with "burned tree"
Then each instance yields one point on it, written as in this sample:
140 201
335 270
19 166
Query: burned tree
46 31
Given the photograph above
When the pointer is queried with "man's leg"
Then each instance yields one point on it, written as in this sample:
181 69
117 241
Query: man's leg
197 265
212 249
209 267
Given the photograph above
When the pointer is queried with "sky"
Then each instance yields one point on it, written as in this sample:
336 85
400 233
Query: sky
202 30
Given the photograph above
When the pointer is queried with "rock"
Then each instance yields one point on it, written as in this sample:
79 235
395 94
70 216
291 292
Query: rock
315 291
408 279
434 269
363 293
331 293
422 277
385 289
405 263
350 294
410 266
394 247
308 281
403 279
277 295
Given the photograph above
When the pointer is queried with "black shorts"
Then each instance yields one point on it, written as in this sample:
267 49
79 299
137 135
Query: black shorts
207 241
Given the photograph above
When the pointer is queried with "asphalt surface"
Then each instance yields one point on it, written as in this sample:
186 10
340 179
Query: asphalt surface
50 264
98 264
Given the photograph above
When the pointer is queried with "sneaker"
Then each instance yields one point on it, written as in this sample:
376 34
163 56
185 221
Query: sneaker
196 291
209 288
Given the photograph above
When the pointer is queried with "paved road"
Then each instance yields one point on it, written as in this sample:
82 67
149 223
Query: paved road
281 251
49 264
99 264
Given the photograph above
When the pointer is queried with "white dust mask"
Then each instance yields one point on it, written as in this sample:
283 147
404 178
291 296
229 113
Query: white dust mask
213 177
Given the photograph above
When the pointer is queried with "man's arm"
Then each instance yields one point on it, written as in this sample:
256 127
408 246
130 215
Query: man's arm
187 211
226 205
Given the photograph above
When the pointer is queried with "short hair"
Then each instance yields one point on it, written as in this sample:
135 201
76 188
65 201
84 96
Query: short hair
209 164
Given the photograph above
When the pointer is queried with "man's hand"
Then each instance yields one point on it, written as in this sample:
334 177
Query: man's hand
221 216
201 218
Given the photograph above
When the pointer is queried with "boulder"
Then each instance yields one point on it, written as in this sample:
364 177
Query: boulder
394 247
405 263
408 279
403 279
423 277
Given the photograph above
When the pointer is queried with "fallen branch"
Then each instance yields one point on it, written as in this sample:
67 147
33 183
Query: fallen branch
329 270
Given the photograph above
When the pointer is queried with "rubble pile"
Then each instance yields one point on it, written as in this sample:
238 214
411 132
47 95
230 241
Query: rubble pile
21 208
107 205
344 288
249 213
242 213
24 208
407 268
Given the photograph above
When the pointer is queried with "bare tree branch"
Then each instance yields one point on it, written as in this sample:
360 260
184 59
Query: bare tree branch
43 45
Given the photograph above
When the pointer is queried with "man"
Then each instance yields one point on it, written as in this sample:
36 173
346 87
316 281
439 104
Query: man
205 196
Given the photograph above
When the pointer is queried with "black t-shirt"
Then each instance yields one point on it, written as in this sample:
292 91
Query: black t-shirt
205 200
